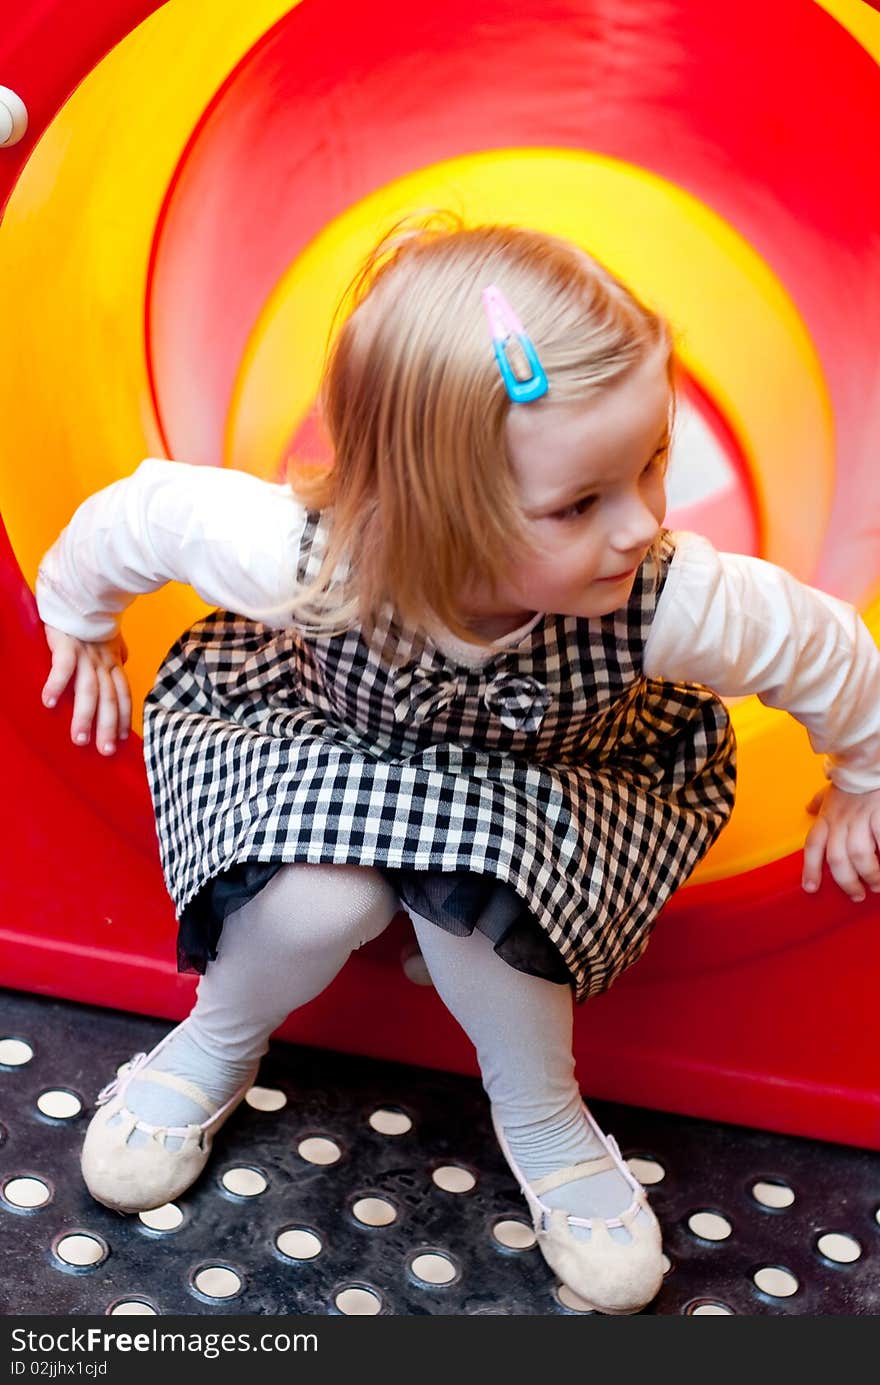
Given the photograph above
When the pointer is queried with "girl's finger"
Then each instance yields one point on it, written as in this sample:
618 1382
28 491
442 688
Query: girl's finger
874 825
863 854
63 665
108 712
123 700
814 854
85 699
841 867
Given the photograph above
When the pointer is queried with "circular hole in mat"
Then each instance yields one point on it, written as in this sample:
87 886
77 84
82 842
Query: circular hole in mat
667 1263
776 1281
266 1099
81 1249
773 1192
59 1104
27 1191
168 1217
390 1122
358 1301
298 1244
710 1226
14 1053
244 1182
433 1267
569 1299
454 1179
706 1307
646 1169
514 1235
217 1281
839 1247
374 1211
317 1149
132 1307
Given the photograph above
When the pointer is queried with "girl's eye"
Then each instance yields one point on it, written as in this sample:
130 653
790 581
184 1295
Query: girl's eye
580 507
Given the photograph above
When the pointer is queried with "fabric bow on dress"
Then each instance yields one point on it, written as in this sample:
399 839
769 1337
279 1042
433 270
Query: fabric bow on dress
518 700
420 693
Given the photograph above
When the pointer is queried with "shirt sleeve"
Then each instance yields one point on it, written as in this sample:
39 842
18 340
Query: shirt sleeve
229 535
742 625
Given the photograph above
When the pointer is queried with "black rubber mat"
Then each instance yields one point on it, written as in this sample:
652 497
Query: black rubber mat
374 1229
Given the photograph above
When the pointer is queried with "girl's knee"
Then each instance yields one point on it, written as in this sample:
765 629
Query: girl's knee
365 903
335 905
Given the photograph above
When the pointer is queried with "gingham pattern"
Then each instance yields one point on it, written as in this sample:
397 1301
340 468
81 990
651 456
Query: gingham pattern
557 767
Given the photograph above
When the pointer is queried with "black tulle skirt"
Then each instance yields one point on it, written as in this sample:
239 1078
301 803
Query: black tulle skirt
457 901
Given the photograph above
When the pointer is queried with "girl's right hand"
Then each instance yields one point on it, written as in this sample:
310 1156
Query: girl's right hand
100 683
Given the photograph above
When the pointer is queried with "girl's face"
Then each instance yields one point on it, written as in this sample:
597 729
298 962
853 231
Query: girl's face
592 483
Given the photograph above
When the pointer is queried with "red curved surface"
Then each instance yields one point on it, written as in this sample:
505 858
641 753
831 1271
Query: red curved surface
311 121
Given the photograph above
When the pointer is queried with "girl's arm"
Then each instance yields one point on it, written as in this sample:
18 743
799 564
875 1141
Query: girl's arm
742 625
229 535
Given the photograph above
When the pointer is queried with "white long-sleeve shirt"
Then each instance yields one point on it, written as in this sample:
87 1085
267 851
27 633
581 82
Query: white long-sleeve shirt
736 624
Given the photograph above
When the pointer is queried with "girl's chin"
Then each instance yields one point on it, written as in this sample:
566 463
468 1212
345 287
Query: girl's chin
618 595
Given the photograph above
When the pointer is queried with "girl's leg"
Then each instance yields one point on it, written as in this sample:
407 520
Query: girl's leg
521 1027
277 952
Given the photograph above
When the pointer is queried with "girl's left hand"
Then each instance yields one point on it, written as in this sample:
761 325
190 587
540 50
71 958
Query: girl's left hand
848 834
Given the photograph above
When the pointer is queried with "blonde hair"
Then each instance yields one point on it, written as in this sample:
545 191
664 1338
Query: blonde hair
420 494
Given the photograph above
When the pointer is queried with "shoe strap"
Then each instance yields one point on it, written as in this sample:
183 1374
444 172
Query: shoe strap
129 1122
585 1169
180 1084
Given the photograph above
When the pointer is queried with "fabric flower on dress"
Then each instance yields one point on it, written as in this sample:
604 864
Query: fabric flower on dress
518 700
419 693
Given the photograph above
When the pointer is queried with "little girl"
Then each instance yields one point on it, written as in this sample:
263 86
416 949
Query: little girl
466 671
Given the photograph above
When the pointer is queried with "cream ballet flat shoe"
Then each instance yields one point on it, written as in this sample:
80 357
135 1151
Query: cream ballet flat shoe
147 1176
610 1276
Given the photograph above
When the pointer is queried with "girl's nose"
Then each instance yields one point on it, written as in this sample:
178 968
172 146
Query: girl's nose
636 532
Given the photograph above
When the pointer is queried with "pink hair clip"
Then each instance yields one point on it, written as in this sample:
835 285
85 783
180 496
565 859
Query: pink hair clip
504 324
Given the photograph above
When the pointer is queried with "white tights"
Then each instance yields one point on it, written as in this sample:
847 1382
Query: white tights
281 949
284 946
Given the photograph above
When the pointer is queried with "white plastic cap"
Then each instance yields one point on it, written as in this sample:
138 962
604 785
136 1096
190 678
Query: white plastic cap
13 117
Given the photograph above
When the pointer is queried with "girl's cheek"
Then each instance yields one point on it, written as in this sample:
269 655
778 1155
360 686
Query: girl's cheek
548 543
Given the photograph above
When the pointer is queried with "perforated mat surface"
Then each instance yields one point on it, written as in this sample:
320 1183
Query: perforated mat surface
348 1185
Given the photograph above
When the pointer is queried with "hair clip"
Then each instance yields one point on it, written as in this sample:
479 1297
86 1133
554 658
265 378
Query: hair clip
504 324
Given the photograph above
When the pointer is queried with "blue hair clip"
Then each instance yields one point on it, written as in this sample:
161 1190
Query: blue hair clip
504 324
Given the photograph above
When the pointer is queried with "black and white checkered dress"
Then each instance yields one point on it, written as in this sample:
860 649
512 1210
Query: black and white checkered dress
554 787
